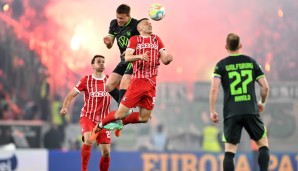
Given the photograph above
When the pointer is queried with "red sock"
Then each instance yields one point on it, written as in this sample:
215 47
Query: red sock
104 163
109 118
132 118
85 156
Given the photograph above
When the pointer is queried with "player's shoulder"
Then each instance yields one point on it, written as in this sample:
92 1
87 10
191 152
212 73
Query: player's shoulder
134 37
247 58
86 77
223 60
134 21
113 23
155 37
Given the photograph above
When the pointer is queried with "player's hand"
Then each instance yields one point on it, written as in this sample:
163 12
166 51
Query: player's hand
64 111
145 56
107 40
214 117
261 107
169 58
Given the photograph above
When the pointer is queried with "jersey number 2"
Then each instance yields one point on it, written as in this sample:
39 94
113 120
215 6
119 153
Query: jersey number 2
238 77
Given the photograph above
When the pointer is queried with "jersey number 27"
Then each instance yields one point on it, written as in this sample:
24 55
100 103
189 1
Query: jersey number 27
238 80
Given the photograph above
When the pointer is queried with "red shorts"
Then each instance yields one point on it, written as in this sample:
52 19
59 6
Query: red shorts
104 136
141 92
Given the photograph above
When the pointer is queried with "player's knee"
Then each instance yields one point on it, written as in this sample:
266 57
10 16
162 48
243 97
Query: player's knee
110 86
106 153
262 142
87 141
144 119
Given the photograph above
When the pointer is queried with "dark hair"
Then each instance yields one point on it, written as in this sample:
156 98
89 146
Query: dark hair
96 56
123 9
233 41
142 20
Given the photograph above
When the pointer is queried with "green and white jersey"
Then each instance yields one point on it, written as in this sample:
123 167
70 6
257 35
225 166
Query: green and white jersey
123 33
238 74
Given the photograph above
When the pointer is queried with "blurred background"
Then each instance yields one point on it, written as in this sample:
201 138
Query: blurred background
46 47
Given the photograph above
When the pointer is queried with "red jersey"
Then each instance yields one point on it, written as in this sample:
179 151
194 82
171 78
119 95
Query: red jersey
140 45
97 99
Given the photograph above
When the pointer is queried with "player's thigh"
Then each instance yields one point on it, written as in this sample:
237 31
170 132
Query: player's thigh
113 81
120 68
232 130
129 69
134 93
104 137
125 81
145 114
121 111
86 127
148 99
86 138
255 127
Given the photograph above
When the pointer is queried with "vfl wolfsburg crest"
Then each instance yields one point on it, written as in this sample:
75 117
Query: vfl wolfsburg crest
123 41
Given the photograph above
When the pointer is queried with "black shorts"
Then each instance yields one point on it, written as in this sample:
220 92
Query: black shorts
123 68
128 69
252 124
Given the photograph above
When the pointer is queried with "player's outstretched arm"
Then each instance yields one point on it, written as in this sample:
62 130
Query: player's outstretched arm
165 57
67 101
130 57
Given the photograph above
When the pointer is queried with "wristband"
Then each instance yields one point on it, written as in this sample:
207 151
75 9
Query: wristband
262 103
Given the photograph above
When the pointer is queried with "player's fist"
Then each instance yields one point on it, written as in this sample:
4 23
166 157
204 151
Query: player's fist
214 117
64 111
261 107
145 56
169 59
107 40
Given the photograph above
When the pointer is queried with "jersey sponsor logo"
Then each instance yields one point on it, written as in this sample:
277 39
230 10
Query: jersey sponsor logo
123 41
98 94
147 45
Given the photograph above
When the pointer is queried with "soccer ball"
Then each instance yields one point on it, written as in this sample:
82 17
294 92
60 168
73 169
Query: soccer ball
157 12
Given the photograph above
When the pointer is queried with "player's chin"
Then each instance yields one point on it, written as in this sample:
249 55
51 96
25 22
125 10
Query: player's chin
120 24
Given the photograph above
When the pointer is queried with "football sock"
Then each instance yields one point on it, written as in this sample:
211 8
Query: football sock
228 162
121 94
264 158
104 163
132 118
85 156
109 118
115 94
